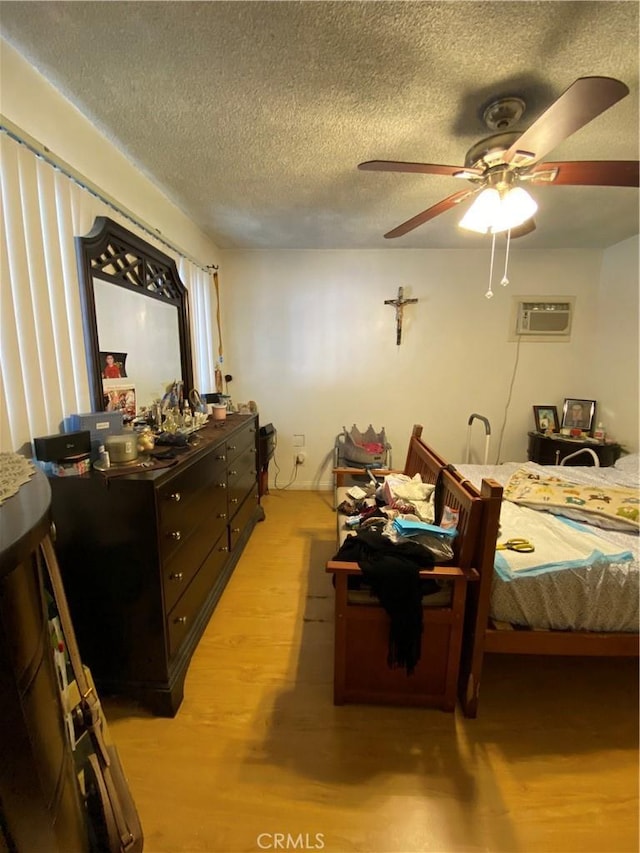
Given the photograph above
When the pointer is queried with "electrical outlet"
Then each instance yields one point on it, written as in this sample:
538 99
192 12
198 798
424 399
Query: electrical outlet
300 457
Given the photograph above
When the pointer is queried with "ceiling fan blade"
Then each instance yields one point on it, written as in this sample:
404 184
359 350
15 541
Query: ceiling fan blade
592 173
424 168
583 101
430 213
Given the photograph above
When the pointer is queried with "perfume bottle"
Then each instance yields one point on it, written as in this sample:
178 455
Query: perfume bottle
599 432
103 457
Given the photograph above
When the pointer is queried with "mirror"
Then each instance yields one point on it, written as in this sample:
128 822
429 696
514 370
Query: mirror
136 319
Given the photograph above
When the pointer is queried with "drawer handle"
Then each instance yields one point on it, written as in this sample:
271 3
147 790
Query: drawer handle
176 497
235 530
221 485
180 620
231 447
233 473
254 450
224 548
221 515
175 535
234 500
221 458
176 576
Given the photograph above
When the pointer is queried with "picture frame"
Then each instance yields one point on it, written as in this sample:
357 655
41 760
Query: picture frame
546 418
121 398
113 365
578 414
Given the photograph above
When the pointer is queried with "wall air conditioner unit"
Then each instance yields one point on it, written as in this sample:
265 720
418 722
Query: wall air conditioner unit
543 319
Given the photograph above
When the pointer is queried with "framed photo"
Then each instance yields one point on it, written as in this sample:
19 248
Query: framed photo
578 414
113 365
121 398
546 418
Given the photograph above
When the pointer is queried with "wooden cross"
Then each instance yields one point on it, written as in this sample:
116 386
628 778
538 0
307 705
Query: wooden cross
399 304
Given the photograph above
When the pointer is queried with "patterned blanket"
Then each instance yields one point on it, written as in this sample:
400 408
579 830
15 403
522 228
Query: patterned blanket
617 507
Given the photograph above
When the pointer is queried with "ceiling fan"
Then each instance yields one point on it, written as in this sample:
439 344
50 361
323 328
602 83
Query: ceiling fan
500 164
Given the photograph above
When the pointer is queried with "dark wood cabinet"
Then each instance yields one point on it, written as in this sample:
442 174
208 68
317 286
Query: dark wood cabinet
40 804
145 557
550 449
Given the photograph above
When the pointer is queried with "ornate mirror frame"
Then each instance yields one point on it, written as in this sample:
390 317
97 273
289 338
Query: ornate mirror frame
112 254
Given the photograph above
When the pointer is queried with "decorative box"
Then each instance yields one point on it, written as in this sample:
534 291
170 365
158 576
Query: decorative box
99 424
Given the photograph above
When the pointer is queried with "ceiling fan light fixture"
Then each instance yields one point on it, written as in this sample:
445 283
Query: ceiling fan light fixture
493 212
484 211
516 207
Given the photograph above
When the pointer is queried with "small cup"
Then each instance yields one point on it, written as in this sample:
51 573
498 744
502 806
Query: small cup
219 411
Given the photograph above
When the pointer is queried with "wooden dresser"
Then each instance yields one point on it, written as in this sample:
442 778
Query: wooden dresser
146 555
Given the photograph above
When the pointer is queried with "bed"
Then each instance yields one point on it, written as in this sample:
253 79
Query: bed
586 608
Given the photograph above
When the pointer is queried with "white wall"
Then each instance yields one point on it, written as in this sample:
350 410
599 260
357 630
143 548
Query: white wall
308 337
616 365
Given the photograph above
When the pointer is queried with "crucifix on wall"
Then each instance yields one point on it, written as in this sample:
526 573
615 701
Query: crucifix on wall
399 302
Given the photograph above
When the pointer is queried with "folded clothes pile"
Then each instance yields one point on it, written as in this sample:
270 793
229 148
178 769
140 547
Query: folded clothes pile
409 495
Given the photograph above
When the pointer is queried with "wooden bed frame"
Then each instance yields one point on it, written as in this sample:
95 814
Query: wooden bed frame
483 635
361 673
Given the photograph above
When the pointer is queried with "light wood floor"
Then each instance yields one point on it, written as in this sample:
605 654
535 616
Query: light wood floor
257 748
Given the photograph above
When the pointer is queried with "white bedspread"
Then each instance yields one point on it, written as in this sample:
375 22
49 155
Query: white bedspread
600 597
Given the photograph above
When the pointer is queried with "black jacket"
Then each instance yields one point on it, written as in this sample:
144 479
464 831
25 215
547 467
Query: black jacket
392 571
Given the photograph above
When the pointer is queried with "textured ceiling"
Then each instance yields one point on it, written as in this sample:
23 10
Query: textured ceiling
252 116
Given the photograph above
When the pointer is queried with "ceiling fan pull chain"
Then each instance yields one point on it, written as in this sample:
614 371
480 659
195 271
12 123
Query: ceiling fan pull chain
505 280
489 293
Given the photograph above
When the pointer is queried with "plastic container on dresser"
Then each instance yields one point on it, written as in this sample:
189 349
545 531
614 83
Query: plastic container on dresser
145 557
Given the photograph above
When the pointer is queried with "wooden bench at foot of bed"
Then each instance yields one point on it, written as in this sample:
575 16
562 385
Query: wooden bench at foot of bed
361 672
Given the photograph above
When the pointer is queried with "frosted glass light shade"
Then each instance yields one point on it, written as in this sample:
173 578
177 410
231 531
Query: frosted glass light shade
484 210
490 213
516 207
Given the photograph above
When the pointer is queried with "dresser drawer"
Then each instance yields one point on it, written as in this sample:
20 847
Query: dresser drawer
241 476
240 441
242 517
187 500
183 616
182 488
184 563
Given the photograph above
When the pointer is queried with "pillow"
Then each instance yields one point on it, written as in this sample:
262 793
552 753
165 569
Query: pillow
611 507
629 463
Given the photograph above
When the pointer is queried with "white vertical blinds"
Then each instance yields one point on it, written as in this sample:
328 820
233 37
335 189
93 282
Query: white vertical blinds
43 370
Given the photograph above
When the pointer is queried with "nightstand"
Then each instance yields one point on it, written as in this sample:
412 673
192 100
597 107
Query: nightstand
550 449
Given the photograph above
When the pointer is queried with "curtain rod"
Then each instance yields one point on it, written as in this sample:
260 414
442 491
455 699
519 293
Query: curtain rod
43 153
